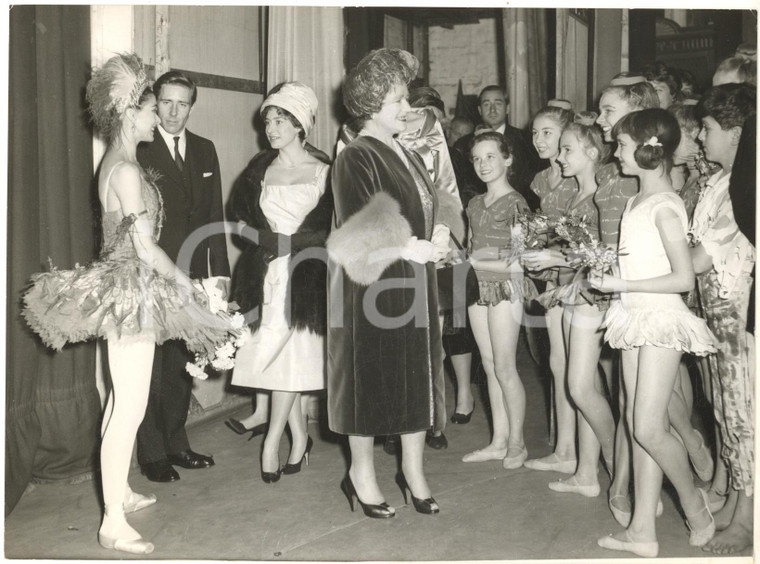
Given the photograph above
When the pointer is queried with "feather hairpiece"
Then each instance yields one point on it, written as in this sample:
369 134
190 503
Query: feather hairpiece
114 87
128 84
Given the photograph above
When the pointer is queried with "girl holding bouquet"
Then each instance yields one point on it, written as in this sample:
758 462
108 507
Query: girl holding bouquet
582 151
653 326
555 191
497 316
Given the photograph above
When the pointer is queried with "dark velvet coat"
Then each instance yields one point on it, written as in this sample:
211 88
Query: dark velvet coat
307 292
381 380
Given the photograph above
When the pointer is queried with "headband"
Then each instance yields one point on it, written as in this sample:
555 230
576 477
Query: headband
558 103
298 99
627 80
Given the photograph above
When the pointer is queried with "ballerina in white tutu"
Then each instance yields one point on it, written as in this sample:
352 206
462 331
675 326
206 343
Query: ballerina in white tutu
654 327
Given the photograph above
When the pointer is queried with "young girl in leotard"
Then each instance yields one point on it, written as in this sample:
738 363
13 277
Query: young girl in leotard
555 191
654 327
497 316
582 150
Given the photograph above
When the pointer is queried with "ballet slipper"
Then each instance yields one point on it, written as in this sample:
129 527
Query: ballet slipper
622 516
137 546
571 485
702 461
700 537
485 455
138 501
552 463
645 549
515 462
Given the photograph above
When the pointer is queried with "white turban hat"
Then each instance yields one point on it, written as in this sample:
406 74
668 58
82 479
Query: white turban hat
296 98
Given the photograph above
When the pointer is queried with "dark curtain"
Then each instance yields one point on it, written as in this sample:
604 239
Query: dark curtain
52 404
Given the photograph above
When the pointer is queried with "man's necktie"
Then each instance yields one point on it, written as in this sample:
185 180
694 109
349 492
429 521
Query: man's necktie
177 156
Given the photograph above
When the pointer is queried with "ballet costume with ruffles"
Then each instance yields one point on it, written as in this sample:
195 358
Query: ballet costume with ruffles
120 297
640 318
491 228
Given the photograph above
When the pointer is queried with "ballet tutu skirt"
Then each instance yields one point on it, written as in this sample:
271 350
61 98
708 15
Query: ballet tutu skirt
118 296
511 290
663 321
642 318
577 292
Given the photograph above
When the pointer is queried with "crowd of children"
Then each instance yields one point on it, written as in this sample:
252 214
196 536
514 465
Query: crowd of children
644 272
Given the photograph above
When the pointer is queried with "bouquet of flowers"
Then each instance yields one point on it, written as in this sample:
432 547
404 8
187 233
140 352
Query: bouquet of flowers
583 248
220 354
573 229
595 256
530 231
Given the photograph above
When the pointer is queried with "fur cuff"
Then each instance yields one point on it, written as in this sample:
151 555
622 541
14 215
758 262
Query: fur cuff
370 240
451 214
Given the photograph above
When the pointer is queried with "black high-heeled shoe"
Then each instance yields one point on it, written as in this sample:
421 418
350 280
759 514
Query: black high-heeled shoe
382 511
428 506
241 429
270 477
296 468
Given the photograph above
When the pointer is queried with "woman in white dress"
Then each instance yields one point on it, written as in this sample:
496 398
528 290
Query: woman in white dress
279 280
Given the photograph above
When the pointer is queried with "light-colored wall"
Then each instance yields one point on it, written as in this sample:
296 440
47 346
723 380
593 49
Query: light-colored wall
466 52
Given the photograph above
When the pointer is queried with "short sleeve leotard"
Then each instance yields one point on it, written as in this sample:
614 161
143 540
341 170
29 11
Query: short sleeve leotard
611 197
554 198
491 228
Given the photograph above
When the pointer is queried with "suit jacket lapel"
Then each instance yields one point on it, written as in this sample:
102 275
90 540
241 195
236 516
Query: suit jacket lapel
192 162
165 160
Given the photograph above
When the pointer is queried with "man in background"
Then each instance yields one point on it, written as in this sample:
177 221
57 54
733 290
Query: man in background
190 184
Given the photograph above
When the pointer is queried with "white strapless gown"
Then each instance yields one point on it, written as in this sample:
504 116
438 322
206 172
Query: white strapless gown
278 357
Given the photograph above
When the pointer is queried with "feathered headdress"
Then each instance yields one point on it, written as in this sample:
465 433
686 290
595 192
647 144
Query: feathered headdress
113 88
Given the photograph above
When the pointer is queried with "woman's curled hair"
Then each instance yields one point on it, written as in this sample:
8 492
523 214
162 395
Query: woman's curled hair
369 82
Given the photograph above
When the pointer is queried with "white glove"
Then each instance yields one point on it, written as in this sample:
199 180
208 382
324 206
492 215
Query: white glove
416 250
440 240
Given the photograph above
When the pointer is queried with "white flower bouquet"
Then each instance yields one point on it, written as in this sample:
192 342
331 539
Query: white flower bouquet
223 352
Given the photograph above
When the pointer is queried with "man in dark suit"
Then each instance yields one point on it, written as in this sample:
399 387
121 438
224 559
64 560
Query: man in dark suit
190 185
493 107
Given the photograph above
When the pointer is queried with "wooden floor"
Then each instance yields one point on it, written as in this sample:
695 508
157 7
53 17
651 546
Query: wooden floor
227 512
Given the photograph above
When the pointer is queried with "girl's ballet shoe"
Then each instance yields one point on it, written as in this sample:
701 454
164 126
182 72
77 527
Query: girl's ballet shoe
552 463
717 504
485 455
138 502
702 460
571 485
700 537
515 462
639 548
138 546
622 516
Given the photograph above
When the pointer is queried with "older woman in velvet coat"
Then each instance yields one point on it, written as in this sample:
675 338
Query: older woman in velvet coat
384 338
